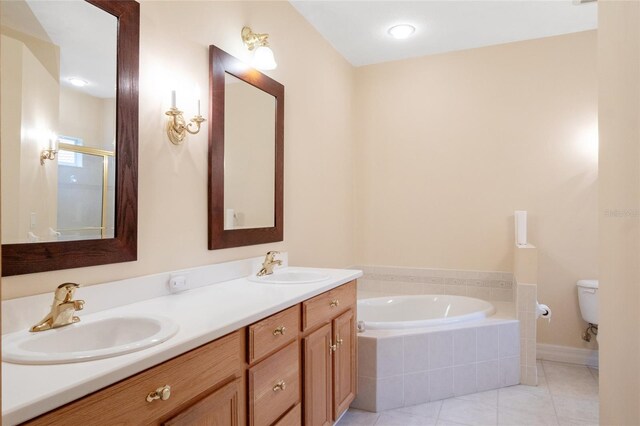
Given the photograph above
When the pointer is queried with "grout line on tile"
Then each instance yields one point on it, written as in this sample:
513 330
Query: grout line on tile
553 400
595 374
439 410
498 407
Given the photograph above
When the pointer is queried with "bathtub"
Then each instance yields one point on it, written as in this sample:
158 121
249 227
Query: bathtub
415 349
397 312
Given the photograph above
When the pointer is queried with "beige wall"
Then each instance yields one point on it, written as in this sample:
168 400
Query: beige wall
30 112
87 117
173 179
450 145
10 132
619 183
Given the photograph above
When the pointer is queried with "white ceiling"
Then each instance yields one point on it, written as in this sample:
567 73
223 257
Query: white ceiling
358 29
86 35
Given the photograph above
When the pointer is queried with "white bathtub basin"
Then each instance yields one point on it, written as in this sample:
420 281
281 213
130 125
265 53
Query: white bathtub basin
85 341
290 276
396 312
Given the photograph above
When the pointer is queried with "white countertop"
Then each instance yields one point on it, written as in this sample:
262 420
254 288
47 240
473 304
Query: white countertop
203 314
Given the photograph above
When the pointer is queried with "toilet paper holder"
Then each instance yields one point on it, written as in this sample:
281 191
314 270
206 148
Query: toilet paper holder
543 311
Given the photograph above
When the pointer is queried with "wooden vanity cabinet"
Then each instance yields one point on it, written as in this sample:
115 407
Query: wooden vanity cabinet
329 354
206 384
295 367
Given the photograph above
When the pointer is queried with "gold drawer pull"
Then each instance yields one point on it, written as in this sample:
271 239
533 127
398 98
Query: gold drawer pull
333 348
334 303
281 385
338 340
162 393
280 330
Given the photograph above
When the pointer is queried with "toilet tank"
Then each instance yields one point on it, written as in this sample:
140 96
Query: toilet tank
588 299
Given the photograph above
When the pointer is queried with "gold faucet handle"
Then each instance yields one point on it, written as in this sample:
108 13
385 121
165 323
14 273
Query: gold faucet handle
64 292
270 257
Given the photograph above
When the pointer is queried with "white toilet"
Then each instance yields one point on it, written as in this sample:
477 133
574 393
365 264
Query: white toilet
588 299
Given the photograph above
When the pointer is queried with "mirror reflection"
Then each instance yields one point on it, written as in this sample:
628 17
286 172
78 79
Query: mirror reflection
249 156
58 121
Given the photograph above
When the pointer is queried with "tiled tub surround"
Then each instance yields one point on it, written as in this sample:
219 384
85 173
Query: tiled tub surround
526 313
399 368
384 281
525 277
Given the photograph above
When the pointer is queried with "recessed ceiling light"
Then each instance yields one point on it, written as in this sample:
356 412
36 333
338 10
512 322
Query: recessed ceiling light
401 31
78 82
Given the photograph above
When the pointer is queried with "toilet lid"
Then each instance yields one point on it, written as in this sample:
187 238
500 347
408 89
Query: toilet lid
588 283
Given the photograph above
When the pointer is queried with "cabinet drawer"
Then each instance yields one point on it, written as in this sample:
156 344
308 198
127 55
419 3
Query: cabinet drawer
272 333
292 418
326 306
125 403
274 386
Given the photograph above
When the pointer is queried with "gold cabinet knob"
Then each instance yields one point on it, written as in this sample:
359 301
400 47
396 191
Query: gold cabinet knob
280 330
334 303
333 348
281 385
163 393
338 340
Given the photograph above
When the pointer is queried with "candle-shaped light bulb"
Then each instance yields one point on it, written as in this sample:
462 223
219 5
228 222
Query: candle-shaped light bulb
198 106
173 99
53 141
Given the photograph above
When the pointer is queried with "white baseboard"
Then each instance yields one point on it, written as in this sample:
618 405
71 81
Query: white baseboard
568 354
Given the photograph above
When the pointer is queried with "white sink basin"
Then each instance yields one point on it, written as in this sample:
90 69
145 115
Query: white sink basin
290 276
85 341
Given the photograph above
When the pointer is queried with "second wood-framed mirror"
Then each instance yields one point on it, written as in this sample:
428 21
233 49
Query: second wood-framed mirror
246 154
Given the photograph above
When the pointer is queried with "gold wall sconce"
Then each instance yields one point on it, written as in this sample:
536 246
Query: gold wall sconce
50 152
262 54
177 127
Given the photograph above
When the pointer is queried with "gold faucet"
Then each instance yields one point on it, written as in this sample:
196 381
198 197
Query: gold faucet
62 309
269 263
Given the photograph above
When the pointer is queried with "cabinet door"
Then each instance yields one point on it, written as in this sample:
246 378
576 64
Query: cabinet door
344 362
221 408
317 377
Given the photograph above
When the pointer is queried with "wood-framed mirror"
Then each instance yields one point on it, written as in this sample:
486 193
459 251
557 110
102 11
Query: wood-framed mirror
246 154
70 200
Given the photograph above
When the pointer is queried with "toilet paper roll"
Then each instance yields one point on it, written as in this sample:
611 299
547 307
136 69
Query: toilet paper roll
521 227
543 311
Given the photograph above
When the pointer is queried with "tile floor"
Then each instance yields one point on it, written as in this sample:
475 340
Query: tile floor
567 394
